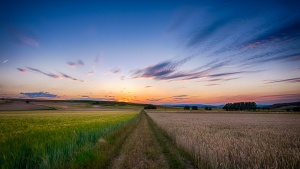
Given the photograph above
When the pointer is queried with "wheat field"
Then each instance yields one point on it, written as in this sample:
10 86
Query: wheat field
235 140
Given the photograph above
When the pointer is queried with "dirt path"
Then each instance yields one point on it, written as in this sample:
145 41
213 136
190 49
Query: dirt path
149 147
141 150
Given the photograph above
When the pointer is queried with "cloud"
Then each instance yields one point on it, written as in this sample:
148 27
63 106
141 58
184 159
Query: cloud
162 71
47 74
291 80
76 63
180 97
226 74
39 95
90 73
181 17
116 70
70 77
214 84
148 86
5 61
154 100
168 70
23 37
224 45
96 61
278 98
183 95
285 32
21 70
51 75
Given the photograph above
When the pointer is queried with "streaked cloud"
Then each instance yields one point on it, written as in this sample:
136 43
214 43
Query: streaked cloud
70 77
169 70
5 61
23 37
51 75
47 74
39 95
290 80
21 70
90 73
213 84
75 64
116 70
148 86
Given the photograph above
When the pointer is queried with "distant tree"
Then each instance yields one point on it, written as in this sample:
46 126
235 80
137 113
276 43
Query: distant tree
95 103
288 109
194 107
150 106
186 107
296 109
208 108
27 101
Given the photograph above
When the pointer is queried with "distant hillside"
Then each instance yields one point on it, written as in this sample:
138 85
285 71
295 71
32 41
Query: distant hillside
284 105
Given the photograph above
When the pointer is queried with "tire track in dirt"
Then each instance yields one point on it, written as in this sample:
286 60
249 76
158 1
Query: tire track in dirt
149 147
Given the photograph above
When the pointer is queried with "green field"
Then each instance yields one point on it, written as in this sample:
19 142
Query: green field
47 139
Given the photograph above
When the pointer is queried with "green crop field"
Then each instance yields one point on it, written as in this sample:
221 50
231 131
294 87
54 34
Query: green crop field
47 139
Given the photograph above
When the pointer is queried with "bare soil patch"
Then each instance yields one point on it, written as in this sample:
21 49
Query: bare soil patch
18 105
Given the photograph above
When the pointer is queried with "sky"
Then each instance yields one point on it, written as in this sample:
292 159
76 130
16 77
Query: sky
158 52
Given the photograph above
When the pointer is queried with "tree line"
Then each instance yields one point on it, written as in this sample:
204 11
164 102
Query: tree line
240 106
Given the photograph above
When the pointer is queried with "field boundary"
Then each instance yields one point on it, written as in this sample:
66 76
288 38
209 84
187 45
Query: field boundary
177 157
107 148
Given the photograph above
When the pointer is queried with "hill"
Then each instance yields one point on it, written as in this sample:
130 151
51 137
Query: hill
284 105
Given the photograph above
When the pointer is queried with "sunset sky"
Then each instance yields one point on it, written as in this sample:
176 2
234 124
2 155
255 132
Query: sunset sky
206 52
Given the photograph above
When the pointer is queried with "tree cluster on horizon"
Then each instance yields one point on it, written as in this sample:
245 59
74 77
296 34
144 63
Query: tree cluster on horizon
240 106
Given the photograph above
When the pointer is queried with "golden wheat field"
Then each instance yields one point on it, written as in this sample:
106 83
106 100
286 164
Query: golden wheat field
235 140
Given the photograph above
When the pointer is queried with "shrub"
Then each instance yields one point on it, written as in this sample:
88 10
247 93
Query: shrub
296 109
194 107
150 107
208 108
186 107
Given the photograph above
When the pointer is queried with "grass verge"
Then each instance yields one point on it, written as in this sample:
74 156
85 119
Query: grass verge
107 148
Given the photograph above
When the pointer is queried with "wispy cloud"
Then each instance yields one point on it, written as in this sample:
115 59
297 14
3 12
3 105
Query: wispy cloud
70 77
47 74
51 75
285 32
169 70
76 63
180 18
148 86
214 84
23 37
90 73
21 70
116 70
291 80
5 61
228 45
166 70
39 95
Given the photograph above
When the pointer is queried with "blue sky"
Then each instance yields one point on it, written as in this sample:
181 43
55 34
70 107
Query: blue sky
151 51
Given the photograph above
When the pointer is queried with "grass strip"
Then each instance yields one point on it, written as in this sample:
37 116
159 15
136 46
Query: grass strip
107 148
